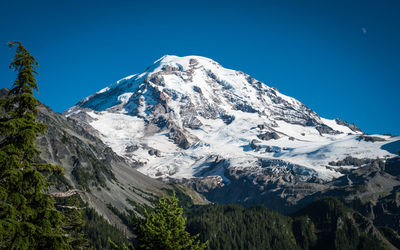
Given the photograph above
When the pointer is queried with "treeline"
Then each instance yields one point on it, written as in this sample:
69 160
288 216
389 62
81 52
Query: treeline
100 233
94 231
236 227
323 224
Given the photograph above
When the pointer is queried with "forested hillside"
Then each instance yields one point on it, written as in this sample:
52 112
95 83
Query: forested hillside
324 224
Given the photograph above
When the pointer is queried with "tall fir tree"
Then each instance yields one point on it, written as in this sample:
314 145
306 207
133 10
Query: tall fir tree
164 228
28 218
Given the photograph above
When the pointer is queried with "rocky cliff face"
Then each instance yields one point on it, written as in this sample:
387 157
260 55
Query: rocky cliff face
91 168
88 163
373 190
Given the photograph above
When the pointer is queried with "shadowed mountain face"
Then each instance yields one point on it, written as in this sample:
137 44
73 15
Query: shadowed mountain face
91 168
223 133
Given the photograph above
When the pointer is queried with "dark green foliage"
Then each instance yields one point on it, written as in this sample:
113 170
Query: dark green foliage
72 210
98 173
236 227
339 227
184 200
126 218
58 181
324 224
100 232
28 218
82 177
94 176
391 236
140 208
164 228
304 231
146 195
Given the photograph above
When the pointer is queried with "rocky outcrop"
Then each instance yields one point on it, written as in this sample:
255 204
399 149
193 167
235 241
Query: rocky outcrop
154 152
201 184
268 136
179 138
373 190
253 144
278 185
284 187
352 161
353 126
323 129
368 138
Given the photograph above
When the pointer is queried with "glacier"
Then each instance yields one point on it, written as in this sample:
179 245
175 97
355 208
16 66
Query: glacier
183 114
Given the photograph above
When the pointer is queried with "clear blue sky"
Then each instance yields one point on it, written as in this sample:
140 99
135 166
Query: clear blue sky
341 58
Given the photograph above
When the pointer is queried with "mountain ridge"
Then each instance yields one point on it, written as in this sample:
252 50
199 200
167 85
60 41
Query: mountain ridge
91 169
189 119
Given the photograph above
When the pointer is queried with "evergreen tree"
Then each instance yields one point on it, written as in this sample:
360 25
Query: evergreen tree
28 218
164 228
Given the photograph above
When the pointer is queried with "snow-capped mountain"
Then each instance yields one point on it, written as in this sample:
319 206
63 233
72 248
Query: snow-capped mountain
188 117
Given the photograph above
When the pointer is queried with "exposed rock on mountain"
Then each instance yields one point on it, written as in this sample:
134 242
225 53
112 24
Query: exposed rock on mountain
370 138
89 165
351 126
373 190
268 136
91 168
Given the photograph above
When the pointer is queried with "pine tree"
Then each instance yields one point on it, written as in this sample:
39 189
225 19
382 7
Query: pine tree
28 218
164 228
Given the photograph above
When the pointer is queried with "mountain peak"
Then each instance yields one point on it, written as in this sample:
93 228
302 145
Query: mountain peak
183 59
182 112
183 62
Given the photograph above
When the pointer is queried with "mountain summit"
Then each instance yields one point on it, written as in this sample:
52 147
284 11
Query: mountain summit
190 118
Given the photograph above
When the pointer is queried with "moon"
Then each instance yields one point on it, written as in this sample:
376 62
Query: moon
364 30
